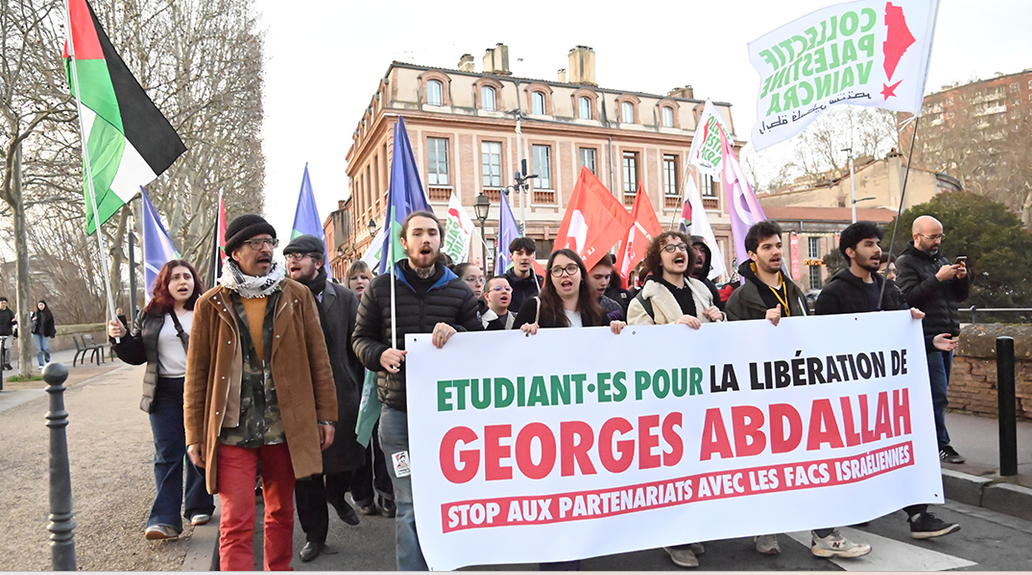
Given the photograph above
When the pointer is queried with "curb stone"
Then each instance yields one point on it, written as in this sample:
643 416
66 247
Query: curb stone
203 552
993 493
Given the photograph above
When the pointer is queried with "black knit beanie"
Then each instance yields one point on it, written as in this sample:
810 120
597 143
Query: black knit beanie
245 227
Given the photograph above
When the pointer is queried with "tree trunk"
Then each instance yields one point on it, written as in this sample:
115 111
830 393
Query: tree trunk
21 250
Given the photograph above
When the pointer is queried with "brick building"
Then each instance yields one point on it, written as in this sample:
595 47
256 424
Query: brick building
463 128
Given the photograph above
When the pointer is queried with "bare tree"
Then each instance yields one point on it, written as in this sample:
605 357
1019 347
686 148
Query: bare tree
33 101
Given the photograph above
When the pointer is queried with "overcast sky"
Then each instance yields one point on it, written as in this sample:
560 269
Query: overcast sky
325 58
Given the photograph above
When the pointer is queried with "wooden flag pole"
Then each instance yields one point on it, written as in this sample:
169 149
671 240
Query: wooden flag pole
89 171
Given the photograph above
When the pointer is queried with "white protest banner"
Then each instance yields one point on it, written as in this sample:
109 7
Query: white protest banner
706 151
457 231
576 443
865 53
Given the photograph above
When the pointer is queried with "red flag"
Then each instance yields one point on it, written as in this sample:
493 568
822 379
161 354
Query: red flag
221 229
594 220
636 242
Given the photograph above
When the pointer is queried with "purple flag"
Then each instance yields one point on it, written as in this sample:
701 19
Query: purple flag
742 206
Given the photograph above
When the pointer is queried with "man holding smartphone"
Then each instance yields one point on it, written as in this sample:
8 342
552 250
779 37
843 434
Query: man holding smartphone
935 285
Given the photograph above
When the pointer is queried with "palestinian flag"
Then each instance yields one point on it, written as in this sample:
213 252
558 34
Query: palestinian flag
126 139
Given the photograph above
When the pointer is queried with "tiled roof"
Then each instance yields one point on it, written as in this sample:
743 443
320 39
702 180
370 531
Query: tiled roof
845 215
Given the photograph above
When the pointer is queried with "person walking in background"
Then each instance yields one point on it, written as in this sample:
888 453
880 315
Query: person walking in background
372 479
599 280
522 279
259 388
160 338
43 330
8 319
338 307
702 264
426 293
474 278
935 285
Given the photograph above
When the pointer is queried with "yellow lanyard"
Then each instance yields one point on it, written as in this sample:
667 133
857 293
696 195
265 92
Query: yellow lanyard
785 309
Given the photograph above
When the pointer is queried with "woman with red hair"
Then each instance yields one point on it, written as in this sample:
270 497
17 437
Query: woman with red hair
160 337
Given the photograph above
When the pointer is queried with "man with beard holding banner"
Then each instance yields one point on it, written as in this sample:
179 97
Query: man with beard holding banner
768 294
856 289
426 293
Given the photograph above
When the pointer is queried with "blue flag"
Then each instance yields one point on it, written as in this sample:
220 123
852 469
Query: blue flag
306 216
157 247
404 196
507 232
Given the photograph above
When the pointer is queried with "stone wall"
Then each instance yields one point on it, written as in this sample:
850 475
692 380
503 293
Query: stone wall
973 378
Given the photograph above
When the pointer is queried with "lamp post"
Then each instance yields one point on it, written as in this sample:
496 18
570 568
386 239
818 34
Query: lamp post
481 208
372 227
860 200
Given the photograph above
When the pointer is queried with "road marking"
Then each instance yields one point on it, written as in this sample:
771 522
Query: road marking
888 554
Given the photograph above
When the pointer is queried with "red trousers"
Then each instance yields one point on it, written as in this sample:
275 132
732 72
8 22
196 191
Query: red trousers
237 469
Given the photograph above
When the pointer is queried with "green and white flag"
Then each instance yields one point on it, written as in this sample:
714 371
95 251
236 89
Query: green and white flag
706 149
866 53
457 231
127 141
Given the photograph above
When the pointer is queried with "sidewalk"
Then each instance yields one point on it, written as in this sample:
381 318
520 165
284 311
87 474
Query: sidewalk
978 481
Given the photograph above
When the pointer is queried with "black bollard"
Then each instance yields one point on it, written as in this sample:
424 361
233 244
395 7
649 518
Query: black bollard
1008 416
62 520
3 360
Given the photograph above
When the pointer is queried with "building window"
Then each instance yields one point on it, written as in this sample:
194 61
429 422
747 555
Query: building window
1014 87
670 174
491 163
949 115
543 165
434 93
437 161
815 277
627 112
668 117
537 103
814 247
630 173
949 101
487 98
587 159
707 186
584 108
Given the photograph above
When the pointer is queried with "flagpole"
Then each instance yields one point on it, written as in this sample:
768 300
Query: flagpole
390 260
899 210
89 170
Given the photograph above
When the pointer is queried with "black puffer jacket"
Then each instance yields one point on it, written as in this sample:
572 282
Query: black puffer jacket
449 300
846 293
915 273
746 302
522 288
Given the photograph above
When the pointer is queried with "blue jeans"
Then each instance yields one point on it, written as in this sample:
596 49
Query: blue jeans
939 363
42 343
169 460
394 438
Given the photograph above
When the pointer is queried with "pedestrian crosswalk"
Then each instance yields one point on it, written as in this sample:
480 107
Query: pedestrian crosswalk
889 555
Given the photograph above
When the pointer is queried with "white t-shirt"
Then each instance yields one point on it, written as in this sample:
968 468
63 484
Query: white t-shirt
171 354
574 317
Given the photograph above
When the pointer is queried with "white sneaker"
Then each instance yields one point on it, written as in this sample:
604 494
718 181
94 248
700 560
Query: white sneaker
682 555
159 532
835 545
767 544
200 519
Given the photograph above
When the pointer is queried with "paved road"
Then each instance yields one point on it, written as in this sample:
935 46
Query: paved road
987 541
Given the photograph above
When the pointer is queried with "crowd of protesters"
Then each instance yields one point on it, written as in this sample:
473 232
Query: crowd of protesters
262 375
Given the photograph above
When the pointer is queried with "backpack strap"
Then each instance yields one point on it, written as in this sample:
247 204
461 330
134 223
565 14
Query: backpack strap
647 305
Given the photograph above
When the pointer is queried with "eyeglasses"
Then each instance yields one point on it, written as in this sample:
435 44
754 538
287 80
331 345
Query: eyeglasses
257 243
671 248
295 257
570 269
505 289
934 237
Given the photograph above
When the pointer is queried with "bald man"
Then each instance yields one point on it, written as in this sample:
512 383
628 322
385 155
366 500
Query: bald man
934 284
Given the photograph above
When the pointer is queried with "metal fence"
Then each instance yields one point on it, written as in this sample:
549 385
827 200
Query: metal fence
999 314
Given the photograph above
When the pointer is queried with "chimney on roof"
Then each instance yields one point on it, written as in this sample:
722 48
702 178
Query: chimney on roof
496 60
582 66
562 75
466 63
686 92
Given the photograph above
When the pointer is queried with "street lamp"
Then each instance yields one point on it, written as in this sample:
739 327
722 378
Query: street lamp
372 227
481 208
